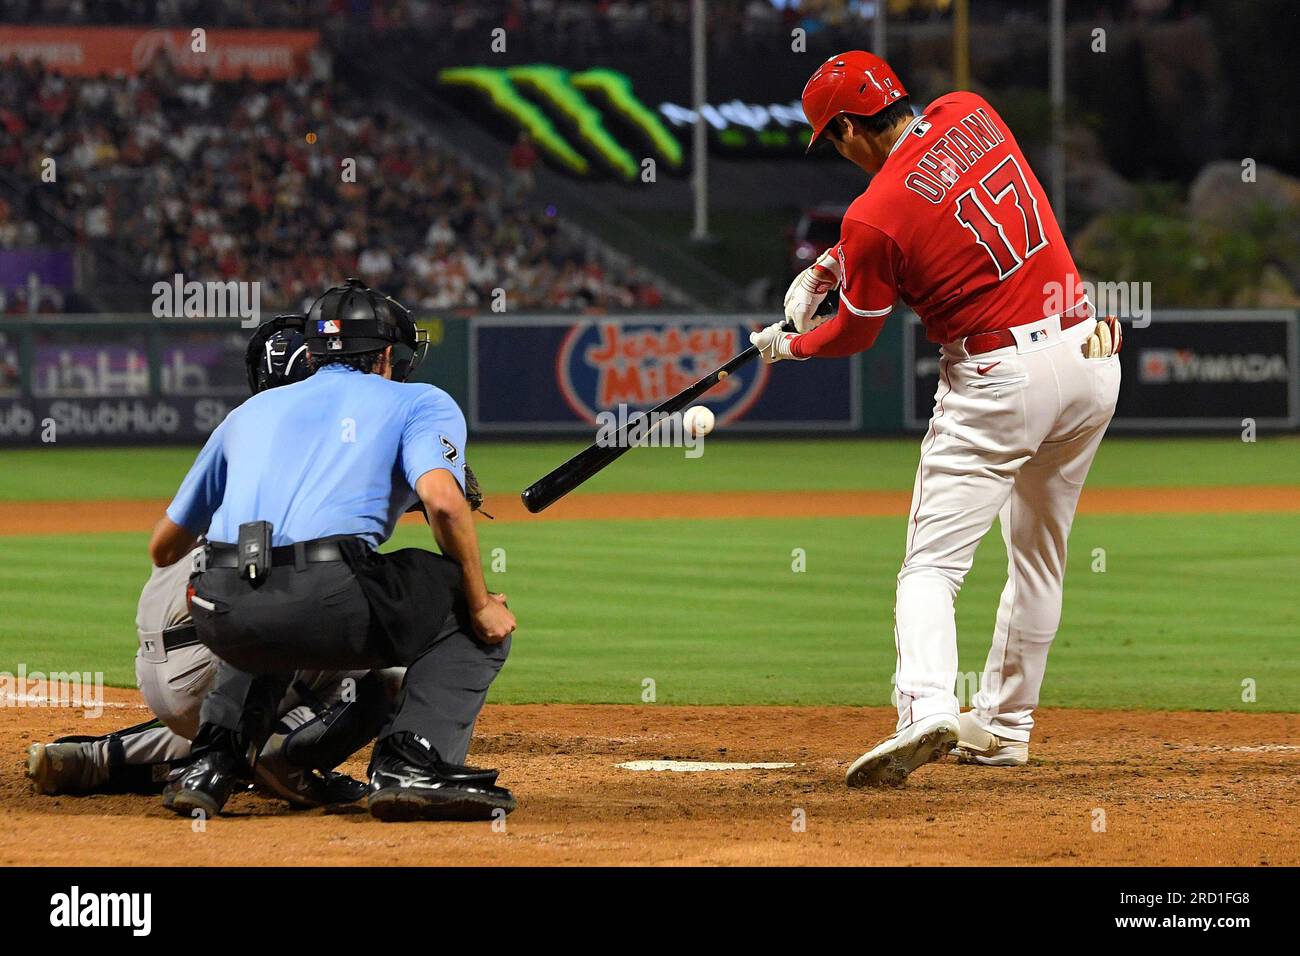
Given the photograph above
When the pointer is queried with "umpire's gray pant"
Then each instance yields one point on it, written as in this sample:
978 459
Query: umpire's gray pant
318 618
175 682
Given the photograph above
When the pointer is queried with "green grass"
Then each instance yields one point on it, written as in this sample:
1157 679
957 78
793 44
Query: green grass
711 611
47 474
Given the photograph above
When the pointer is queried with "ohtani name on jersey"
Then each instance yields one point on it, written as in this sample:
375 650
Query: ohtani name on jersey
952 154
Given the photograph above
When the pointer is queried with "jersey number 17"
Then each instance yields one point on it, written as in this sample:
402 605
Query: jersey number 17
1003 244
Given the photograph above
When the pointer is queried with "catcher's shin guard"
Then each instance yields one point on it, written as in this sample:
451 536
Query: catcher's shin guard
339 729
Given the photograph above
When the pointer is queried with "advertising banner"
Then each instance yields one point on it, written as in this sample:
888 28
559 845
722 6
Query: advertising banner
118 383
52 267
595 122
225 54
1185 371
68 363
111 421
544 374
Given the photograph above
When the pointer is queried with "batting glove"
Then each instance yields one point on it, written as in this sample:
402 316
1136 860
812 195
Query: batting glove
1105 340
809 289
773 344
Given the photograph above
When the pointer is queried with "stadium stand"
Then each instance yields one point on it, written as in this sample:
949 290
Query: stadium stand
165 174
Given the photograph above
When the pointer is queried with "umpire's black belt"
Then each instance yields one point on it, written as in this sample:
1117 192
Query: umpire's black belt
300 553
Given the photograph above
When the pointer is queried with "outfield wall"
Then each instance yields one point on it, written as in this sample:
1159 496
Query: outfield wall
135 379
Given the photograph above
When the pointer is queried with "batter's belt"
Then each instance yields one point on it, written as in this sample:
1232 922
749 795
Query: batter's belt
982 342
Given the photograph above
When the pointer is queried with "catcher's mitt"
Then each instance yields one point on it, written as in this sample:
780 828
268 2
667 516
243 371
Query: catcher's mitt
473 493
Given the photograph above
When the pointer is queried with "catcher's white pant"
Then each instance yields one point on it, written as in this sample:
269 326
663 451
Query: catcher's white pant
1012 436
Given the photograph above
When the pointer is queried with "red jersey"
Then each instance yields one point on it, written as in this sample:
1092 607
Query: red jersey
957 226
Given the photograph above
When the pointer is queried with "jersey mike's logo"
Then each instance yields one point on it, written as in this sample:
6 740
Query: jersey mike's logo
601 366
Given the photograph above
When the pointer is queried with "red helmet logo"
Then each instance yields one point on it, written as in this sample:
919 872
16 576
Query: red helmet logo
856 82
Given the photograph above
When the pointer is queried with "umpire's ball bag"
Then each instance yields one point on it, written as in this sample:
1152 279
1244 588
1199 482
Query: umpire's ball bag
410 593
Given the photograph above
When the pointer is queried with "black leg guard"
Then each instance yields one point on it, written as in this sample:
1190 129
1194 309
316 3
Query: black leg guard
341 729
239 714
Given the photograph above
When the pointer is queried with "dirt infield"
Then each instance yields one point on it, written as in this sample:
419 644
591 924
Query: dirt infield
81 517
1103 787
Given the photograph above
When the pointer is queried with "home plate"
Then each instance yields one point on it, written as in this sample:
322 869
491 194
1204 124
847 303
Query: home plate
697 766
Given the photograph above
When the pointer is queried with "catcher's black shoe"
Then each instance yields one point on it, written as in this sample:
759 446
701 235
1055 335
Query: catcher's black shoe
339 788
409 781
205 783
302 787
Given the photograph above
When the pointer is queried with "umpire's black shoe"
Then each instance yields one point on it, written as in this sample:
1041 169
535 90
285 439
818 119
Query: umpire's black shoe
205 783
409 781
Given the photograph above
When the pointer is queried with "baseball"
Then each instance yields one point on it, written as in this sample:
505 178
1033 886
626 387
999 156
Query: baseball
697 421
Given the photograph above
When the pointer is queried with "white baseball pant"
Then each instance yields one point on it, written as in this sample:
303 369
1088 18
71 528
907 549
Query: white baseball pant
1012 436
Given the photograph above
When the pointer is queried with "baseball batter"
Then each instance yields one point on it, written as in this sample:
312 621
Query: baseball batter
955 224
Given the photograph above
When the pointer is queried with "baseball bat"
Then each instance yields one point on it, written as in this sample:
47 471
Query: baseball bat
554 485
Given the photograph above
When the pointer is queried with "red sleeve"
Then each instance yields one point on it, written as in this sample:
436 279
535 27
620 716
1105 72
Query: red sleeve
869 261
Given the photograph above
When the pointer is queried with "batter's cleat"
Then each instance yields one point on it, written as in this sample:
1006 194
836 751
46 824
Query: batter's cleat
61 768
429 788
976 745
889 762
205 784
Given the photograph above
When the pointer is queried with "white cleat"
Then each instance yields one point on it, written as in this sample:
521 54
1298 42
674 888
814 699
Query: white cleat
977 745
889 762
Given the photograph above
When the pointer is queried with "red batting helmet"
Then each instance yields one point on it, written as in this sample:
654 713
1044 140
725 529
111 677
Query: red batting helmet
855 82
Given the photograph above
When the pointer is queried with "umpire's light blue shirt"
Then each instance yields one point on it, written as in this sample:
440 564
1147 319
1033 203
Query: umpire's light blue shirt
337 453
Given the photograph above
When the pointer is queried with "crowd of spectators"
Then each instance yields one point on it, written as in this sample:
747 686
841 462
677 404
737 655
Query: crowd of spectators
613 18
221 181
16 230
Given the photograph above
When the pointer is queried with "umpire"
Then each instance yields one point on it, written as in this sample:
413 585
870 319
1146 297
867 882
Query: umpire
295 491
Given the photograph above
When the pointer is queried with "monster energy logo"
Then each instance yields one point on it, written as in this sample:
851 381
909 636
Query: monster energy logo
569 94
